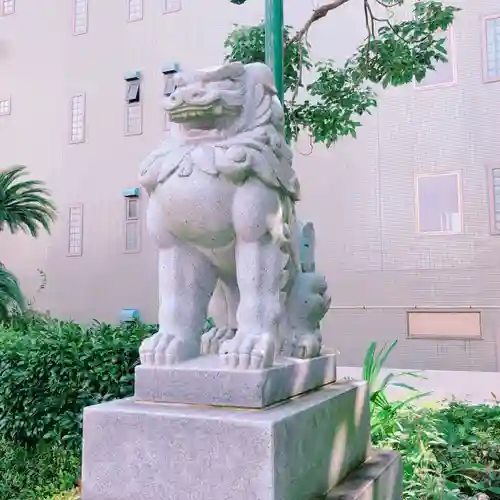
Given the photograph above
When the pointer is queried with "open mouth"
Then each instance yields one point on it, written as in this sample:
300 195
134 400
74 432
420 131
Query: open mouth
188 113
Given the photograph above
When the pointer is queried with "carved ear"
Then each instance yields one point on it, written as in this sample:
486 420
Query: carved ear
270 87
259 92
231 70
261 74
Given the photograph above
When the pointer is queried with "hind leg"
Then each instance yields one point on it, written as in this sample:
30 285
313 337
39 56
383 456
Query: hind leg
225 304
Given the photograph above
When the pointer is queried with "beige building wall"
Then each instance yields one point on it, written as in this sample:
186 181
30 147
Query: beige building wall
360 193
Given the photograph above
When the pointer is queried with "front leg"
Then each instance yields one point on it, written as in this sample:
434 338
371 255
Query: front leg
186 282
259 263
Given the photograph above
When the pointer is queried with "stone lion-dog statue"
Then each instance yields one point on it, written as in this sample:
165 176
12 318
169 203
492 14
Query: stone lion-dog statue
222 195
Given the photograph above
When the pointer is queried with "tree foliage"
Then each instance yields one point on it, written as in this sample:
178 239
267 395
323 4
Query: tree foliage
392 54
11 297
24 204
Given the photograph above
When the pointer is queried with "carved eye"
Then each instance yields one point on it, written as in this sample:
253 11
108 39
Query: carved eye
236 154
178 81
224 85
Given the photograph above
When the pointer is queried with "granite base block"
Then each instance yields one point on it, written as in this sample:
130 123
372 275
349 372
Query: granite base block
206 380
379 478
297 450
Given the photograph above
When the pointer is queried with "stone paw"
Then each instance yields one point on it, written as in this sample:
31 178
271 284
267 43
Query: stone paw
248 351
164 349
306 346
212 340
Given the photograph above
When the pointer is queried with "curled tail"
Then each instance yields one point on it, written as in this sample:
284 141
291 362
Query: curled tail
308 301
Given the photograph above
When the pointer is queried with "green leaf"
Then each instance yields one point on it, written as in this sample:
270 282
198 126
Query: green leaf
24 204
397 54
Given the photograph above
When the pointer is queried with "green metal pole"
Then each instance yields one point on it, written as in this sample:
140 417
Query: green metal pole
274 42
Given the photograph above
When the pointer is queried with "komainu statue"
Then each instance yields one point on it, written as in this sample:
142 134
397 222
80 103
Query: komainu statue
222 213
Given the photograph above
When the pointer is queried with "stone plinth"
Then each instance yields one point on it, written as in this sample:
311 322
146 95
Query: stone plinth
206 380
297 450
379 478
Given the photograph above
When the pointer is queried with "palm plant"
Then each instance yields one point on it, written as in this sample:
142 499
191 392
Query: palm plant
24 204
11 297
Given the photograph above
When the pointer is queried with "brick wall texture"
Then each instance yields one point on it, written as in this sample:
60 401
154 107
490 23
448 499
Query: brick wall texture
378 265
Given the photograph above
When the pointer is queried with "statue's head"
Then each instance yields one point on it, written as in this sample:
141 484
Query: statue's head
228 98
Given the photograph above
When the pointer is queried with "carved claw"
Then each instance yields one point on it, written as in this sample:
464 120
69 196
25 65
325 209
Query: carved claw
164 349
306 346
248 351
212 340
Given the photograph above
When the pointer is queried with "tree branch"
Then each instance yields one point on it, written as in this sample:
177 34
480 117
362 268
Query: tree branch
317 14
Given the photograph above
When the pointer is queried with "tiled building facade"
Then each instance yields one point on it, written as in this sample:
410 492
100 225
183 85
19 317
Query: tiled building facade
407 215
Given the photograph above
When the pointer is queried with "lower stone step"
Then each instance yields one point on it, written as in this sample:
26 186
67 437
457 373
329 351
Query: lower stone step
379 478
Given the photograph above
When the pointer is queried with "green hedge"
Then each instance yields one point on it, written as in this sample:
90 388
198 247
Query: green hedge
50 370
37 473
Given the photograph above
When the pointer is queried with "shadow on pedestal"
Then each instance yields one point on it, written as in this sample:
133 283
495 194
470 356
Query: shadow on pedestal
379 478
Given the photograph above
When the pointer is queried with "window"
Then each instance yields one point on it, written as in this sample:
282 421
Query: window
170 6
439 203
444 73
494 198
133 119
135 10
132 209
169 85
491 49
133 109
75 228
77 119
450 325
7 7
169 82
132 225
4 107
133 91
80 17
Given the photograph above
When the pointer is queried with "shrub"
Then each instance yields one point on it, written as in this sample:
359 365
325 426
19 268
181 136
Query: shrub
50 370
449 452
37 473
68 495
472 451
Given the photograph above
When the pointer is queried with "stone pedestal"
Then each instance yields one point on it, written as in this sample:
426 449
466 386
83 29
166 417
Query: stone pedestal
199 431
296 450
207 380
